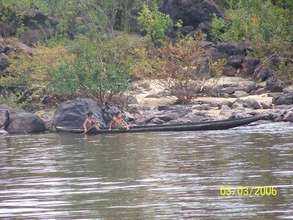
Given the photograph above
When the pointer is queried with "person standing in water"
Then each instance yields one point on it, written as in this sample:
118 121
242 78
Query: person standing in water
90 122
118 122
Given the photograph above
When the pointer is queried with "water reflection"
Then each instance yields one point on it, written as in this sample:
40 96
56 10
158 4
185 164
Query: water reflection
146 176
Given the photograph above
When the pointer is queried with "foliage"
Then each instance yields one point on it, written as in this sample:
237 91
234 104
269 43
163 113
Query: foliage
216 67
265 25
92 73
155 23
33 69
253 20
180 64
76 17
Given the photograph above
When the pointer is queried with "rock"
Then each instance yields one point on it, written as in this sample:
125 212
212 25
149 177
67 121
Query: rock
263 73
24 48
184 31
4 61
72 113
4 118
229 49
195 13
229 71
31 37
25 123
283 99
156 121
239 94
7 30
38 27
289 116
249 65
275 85
260 91
247 103
37 20
238 115
288 89
133 108
230 85
235 61
47 117
165 114
225 108
202 107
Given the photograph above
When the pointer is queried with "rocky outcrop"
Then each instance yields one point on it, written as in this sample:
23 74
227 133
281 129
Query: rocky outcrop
25 123
19 122
195 14
283 99
72 113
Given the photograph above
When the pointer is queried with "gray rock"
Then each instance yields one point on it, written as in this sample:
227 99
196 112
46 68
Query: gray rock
249 66
288 89
230 49
289 116
239 94
225 108
275 85
25 123
4 61
72 113
191 12
263 73
235 61
248 103
4 118
283 99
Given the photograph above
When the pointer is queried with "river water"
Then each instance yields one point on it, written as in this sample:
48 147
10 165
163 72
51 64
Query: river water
147 176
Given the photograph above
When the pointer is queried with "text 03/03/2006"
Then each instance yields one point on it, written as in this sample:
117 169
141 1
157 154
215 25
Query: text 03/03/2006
248 191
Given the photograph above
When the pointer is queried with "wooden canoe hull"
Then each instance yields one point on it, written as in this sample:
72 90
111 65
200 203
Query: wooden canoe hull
200 126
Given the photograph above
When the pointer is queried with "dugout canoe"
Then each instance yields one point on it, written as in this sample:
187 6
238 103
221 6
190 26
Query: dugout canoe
199 126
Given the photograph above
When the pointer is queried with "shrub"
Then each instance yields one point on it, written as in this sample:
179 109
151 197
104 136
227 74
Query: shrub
93 73
32 70
266 26
180 64
154 23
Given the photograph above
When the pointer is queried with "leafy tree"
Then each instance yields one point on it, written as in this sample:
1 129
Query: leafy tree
90 74
155 23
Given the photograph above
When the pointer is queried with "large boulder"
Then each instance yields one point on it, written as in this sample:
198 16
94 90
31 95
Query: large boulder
283 99
195 13
25 123
72 113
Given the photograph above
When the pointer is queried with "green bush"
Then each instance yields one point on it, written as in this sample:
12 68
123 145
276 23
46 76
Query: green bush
265 25
90 74
154 23
253 20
